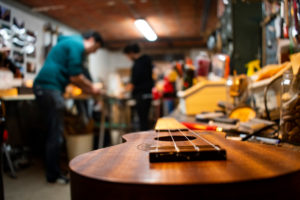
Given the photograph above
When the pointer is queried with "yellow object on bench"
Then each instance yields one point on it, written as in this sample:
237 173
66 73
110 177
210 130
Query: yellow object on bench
204 96
9 92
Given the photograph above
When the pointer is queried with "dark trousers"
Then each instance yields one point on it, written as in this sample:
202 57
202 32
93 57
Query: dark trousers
143 107
51 108
2 120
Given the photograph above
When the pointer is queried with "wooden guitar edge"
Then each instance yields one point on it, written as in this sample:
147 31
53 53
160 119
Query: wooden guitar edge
273 188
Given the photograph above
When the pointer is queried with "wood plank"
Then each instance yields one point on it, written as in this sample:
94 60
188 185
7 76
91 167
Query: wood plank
165 124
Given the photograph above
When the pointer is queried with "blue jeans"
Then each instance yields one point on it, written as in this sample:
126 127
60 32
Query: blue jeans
51 108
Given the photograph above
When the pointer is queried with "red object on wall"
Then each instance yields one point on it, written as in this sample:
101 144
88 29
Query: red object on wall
227 67
203 67
5 135
168 87
156 94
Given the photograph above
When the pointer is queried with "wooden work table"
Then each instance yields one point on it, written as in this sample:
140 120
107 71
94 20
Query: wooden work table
104 99
20 97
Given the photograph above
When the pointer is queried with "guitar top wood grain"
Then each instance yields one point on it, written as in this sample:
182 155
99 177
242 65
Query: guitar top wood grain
129 163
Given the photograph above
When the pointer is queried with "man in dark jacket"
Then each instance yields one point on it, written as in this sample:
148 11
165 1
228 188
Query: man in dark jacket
141 83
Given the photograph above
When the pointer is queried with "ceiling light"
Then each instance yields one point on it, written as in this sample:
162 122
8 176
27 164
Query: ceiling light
111 3
145 29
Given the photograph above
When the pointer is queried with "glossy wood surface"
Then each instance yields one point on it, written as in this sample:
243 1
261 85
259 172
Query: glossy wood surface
128 163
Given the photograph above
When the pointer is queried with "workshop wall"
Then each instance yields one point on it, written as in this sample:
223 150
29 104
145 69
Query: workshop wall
34 22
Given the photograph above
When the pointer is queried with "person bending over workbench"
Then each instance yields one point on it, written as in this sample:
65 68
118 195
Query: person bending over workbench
63 65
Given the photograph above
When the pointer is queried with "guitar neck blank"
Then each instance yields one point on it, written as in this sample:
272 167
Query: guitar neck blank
169 124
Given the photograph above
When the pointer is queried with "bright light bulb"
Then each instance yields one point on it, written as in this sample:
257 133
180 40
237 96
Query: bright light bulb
222 57
145 29
229 82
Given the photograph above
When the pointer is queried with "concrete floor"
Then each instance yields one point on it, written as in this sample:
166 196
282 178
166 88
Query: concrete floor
31 184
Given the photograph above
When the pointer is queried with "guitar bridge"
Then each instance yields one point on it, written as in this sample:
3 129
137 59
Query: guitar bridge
186 153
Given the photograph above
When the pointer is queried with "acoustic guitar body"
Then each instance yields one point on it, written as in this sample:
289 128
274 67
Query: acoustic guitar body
250 171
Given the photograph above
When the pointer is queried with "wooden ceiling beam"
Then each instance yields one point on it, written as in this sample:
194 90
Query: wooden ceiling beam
165 43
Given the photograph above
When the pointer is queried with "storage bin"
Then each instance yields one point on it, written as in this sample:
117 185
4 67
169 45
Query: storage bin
78 144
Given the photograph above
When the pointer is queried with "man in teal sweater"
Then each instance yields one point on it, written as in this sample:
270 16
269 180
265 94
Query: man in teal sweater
63 65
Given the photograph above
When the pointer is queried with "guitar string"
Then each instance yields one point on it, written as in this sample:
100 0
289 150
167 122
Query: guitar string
175 146
202 138
198 135
157 131
197 148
